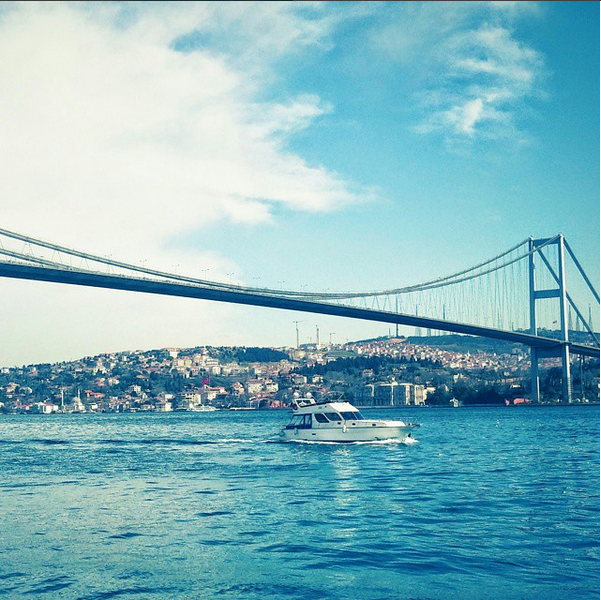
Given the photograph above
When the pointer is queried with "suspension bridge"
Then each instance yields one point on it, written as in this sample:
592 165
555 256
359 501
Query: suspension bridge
521 295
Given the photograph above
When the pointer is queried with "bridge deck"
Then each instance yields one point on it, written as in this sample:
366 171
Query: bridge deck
117 282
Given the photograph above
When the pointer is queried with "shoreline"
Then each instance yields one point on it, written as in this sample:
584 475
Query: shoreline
524 405
289 409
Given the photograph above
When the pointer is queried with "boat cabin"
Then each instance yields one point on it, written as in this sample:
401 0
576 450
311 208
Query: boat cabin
324 414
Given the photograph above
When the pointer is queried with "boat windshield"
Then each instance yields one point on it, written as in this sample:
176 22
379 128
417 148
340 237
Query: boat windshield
352 416
300 422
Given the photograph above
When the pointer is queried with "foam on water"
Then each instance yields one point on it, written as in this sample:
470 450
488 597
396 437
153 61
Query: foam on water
410 441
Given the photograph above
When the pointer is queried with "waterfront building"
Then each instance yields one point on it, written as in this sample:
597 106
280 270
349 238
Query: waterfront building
385 393
405 393
46 408
365 395
77 405
419 395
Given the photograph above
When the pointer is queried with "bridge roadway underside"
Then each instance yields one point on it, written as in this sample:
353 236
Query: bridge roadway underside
547 346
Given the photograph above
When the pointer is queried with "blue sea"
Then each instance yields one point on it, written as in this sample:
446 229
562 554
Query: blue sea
490 503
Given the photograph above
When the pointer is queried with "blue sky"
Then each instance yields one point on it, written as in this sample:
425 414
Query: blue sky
451 195
327 145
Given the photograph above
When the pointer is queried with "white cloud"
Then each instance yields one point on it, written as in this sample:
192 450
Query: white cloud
107 127
466 116
474 74
116 140
256 32
288 118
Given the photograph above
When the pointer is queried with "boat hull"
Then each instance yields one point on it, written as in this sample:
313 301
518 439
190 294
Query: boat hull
347 434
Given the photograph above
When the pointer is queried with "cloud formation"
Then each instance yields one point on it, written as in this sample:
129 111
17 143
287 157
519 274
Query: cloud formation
126 126
475 76
108 126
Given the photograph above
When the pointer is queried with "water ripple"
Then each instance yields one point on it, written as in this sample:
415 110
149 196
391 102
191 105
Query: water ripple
491 504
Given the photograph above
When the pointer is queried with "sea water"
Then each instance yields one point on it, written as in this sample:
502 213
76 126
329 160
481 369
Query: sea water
490 503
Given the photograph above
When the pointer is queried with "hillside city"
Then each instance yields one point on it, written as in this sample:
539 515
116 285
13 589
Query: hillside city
385 372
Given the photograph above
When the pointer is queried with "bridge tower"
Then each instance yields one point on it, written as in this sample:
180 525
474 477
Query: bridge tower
560 292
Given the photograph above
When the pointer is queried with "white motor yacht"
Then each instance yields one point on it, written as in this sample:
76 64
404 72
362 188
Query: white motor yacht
202 408
339 422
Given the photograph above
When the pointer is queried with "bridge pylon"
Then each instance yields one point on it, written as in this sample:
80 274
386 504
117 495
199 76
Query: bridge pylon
560 292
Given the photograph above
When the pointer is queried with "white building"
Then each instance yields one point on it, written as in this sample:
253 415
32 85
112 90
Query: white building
419 395
271 386
253 386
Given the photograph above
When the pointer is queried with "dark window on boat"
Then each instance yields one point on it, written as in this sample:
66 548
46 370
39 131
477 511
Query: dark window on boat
296 422
320 418
332 416
353 416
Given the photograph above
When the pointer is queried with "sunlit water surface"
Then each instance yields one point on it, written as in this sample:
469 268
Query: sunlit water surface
489 504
